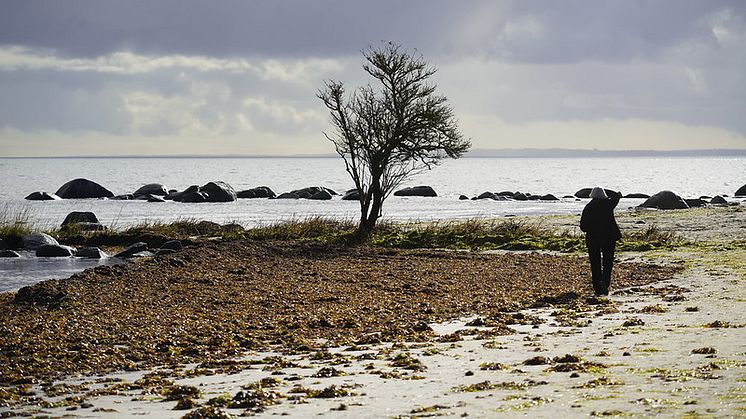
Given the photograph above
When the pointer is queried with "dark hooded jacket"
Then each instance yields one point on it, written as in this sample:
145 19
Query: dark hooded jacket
598 220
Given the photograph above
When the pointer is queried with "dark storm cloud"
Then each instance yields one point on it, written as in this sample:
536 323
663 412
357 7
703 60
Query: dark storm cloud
526 31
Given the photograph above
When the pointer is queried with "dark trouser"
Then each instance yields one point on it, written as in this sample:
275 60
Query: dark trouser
601 278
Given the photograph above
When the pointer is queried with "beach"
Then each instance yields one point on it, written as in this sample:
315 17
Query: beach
305 328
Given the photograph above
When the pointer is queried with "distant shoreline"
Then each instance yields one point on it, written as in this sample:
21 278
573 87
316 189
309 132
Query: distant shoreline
476 153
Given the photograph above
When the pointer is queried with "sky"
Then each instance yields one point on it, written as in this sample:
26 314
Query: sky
176 77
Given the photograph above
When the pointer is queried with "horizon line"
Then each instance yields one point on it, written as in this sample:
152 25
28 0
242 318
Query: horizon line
474 153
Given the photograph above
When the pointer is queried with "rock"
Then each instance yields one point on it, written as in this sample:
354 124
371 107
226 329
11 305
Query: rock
9 254
718 200
3 246
637 195
741 191
568 196
549 197
152 189
586 193
91 253
54 251
155 198
288 195
125 197
80 217
507 194
533 197
219 192
34 241
42 196
161 252
321 196
463 198
83 188
520 196
351 195
665 200
176 195
43 293
132 249
171 245
695 202
258 192
487 195
193 197
416 191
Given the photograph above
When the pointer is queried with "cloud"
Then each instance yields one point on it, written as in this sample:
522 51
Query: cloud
242 75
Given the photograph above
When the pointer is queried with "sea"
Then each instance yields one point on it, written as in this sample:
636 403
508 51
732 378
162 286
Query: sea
687 176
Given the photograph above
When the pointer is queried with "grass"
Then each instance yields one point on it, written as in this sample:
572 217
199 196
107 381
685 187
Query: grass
472 234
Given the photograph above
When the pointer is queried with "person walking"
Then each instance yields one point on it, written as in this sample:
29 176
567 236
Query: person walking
601 234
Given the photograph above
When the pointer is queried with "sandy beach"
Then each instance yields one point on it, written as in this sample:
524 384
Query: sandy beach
279 328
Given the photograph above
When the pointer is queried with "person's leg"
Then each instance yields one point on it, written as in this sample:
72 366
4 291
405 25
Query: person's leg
594 255
608 261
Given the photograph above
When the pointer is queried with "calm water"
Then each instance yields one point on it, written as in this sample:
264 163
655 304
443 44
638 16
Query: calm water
690 177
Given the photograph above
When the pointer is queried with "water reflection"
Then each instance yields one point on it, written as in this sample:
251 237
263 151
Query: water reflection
29 269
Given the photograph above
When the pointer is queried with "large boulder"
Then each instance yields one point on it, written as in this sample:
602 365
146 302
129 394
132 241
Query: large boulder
83 188
176 195
42 196
55 251
665 200
321 196
152 189
741 191
80 217
416 191
308 193
351 195
3 246
34 241
219 192
586 192
549 197
193 197
258 192
520 196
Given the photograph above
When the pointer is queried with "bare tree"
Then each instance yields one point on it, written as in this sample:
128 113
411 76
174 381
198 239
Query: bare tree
388 134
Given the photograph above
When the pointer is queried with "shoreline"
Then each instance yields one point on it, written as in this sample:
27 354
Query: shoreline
395 272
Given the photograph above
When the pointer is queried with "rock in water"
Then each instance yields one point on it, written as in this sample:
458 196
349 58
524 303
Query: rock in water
741 191
42 196
55 251
258 192
152 189
219 192
91 253
321 196
416 191
586 193
637 195
80 217
83 188
463 198
9 254
351 195
132 250
487 195
718 200
34 241
665 200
